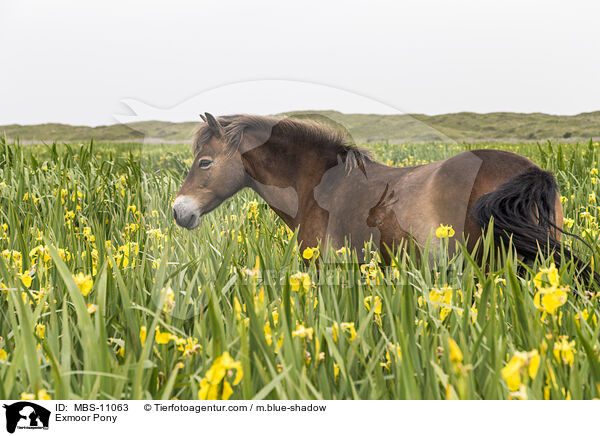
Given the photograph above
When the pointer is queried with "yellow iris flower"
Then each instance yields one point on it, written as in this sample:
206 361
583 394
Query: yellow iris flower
564 350
310 252
443 231
376 301
550 295
214 385
300 281
84 282
513 369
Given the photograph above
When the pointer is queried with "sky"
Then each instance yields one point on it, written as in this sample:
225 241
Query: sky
101 62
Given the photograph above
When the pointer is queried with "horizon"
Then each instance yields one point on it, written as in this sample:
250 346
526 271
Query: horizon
315 110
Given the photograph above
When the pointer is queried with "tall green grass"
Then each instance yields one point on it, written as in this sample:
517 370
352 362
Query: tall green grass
231 286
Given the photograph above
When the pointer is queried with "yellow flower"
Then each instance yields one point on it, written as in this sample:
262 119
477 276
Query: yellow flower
188 346
120 351
300 281
129 228
131 208
388 361
376 301
163 337
87 234
41 395
259 299
568 222
348 327
370 270
442 298
585 314
550 299
214 385
564 350
443 231
40 330
126 251
64 254
268 333
335 331
303 332
69 216
512 371
156 233
91 308
143 333
84 282
252 210
336 371
550 295
3 354
279 343
25 279
341 252
396 352
4 228
552 278
237 307
40 251
309 252
169 299
500 280
456 356
534 363
520 394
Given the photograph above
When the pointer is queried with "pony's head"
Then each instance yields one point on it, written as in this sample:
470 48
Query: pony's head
216 174
236 151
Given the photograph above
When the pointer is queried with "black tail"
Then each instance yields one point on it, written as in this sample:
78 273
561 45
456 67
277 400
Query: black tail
523 210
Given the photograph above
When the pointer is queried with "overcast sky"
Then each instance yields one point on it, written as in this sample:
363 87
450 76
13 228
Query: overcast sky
78 61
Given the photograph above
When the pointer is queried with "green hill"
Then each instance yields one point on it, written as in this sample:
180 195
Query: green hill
463 126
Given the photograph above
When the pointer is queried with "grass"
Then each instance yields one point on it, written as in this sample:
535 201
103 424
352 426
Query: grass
232 311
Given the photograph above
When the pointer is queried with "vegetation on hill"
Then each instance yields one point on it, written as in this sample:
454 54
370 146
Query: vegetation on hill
463 126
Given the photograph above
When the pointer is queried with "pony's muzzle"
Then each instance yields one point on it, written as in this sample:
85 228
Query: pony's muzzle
186 212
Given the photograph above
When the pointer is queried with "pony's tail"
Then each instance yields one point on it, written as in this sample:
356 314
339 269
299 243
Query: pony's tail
523 209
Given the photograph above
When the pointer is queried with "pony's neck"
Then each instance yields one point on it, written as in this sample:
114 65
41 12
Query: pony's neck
285 176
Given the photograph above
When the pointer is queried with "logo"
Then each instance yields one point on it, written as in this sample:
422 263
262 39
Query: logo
26 415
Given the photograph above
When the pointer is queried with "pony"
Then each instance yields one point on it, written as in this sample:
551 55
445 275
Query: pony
329 189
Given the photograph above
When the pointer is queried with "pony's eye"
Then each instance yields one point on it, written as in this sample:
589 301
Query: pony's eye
205 164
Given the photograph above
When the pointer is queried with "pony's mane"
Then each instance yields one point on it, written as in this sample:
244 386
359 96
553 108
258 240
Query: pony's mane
301 133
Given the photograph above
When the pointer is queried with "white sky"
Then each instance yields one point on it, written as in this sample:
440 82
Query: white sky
75 61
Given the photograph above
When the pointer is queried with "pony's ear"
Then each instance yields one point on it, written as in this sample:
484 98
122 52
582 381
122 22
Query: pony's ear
214 125
203 118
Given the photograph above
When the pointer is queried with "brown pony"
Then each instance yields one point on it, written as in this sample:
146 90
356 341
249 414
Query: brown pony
317 182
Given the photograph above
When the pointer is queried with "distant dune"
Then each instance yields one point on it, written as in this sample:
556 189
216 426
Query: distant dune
463 126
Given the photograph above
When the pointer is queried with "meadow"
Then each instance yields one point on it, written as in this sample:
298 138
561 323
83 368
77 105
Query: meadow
102 296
